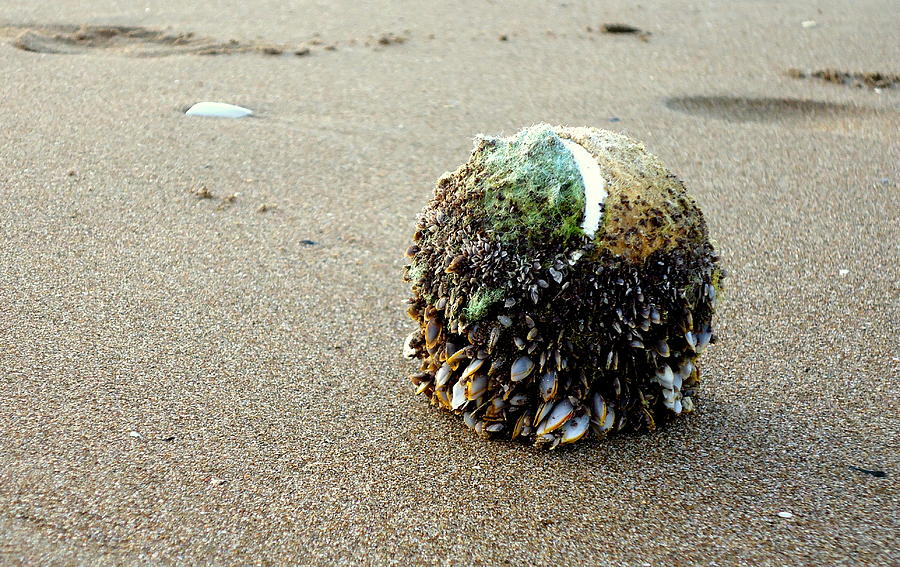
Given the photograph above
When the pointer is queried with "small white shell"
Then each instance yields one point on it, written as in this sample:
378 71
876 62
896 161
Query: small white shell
218 110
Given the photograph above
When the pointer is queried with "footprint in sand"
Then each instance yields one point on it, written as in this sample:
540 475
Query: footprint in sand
797 113
123 40
143 42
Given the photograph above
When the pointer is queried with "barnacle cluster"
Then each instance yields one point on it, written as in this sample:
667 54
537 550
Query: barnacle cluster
563 283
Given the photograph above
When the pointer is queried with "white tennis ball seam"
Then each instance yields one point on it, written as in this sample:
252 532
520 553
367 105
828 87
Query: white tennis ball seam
595 193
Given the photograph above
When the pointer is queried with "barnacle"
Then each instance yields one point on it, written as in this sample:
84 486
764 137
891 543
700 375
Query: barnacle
563 283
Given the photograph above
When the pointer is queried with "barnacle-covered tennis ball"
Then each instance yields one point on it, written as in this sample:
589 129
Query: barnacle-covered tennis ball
563 283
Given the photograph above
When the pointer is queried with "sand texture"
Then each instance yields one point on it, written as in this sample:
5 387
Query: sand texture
201 319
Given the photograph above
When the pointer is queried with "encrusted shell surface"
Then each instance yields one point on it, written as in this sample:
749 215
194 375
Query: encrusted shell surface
536 321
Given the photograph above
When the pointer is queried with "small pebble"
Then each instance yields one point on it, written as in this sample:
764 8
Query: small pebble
218 110
619 28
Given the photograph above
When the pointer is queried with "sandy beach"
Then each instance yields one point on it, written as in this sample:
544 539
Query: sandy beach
201 319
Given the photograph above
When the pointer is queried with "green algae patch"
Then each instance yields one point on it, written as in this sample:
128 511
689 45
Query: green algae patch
416 271
480 301
718 274
533 188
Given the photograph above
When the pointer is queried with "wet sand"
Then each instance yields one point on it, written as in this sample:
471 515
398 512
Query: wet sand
202 319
